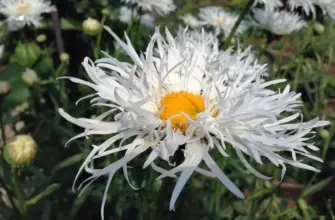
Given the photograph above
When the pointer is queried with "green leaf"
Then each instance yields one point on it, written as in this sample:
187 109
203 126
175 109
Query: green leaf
317 187
19 92
27 54
68 162
50 189
44 67
68 24
78 203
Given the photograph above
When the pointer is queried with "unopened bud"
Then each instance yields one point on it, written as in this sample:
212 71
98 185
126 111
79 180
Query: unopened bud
21 151
4 87
64 57
30 77
324 134
319 28
105 11
41 38
91 26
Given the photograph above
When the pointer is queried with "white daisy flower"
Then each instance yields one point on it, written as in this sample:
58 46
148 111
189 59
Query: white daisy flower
278 22
127 15
162 7
24 12
220 20
168 101
306 5
191 21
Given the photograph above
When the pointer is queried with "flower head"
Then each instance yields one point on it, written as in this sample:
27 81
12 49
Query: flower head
161 7
21 151
278 22
4 87
172 99
220 20
91 26
24 12
127 15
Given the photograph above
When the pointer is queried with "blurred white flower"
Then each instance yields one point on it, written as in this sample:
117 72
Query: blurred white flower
4 87
278 22
24 12
19 125
168 101
327 6
127 15
2 49
191 21
220 20
161 7
30 77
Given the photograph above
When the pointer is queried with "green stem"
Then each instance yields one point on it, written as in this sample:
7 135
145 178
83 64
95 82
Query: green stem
2 125
98 43
18 192
297 76
238 22
163 197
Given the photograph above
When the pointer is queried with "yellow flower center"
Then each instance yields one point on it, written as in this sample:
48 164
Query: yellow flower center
22 8
219 20
181 102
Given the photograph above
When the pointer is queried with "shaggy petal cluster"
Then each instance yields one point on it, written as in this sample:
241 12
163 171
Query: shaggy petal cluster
278 22
24 12
162 7
327 6
177 97
220 20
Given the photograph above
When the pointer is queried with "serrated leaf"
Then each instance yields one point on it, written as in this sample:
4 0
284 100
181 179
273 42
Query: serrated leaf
50 189
27 54
317 187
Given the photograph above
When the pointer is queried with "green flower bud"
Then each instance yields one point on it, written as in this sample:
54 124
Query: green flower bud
30 77
64 57
21 151
91 26
41 38
319 28
324 134
105 11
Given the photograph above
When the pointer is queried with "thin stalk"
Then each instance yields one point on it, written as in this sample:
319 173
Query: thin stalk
297 76
238 22
18 192
2 125
98 43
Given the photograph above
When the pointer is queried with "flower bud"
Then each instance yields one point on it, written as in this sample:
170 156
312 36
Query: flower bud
319 28
64 57
19 125
30 77
4 87
41 38
91 26
324 134
105 11
21 151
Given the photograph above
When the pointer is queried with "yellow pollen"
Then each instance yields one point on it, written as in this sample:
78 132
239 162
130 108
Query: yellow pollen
181 102
22 8
219 20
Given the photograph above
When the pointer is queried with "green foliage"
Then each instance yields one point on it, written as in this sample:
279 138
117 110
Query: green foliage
44 190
